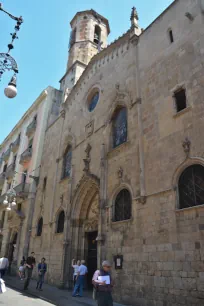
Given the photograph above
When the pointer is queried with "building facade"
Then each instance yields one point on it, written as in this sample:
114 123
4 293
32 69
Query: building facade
122 168
21 155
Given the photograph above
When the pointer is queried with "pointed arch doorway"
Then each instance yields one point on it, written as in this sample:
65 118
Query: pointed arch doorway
85 217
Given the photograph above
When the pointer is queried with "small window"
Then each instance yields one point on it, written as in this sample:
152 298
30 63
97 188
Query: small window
72 39
171 36
93 101
123 206
119 122
35 118
39 227
4 168
60 222
191 187
30 144
180 99
44 183
67 163
97 34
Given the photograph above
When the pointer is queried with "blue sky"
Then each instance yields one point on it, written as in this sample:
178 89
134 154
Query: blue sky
42 49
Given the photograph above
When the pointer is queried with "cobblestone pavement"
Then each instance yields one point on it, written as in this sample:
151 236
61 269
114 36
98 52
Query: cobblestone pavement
49 296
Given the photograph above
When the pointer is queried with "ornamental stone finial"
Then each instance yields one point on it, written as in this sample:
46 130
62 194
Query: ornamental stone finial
134 18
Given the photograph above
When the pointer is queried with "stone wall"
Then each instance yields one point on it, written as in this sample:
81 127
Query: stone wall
162 246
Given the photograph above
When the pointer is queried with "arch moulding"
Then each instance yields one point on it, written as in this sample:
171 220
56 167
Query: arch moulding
188 162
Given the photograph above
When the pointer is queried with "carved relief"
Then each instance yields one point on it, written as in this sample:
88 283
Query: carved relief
120 172
87 160
186 146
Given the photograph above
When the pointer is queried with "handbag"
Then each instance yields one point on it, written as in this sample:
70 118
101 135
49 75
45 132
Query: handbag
2 286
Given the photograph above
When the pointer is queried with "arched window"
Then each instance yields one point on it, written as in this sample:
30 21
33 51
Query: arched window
97 34
60 222
72 39
67 163
123 204
191 187
40 227
119 127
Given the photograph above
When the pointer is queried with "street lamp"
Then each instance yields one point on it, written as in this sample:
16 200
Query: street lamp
10 199
7 62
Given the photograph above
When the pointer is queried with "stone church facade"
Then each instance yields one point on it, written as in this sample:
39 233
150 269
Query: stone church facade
122 174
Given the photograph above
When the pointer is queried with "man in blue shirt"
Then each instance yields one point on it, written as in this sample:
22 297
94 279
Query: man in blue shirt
80 279
42 269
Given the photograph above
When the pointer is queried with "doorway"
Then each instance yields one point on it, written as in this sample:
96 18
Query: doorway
91 256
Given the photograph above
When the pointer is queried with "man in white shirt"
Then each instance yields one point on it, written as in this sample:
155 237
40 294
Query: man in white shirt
80 279
4 264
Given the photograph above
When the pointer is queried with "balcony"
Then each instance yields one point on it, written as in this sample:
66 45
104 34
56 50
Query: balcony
26 156
6 155
10 171
15 144
22 190
31 128
2 178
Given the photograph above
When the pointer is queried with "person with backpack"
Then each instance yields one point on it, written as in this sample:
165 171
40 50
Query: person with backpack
103 285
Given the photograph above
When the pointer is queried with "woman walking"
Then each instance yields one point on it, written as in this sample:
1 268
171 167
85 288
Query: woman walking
103 285
21 271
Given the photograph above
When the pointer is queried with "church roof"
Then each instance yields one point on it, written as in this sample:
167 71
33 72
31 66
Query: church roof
95 14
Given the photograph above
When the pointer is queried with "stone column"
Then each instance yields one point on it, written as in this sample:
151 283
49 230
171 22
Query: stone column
66 268
102 203
140 124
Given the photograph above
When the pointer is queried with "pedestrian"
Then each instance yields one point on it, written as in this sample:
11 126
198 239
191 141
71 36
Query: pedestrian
30 263
42 269
75 265
80 279
103 285
4 264
21 270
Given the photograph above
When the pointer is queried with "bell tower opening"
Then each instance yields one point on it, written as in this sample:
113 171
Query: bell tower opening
97 35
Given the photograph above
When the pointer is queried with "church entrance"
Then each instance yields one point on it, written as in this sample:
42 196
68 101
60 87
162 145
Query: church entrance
91 256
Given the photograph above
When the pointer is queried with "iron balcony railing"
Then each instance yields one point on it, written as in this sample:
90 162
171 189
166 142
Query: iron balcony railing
31 128
6 154
26 156
22 190
15 144
10 171
2 178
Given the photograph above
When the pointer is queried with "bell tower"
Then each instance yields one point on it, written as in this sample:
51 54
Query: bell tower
88 37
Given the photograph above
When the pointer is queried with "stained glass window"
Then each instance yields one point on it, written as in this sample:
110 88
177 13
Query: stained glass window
67 163
93 102
39 227
120 127
191 187
123 206
60 222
